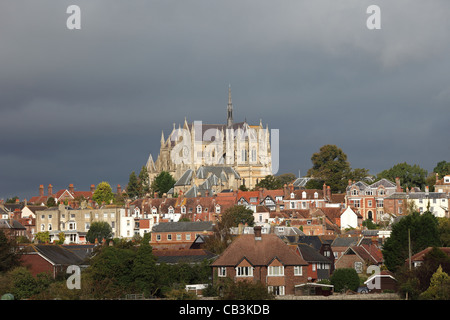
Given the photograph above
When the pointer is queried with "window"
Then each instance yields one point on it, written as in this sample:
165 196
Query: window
158 237
292 205
170 210
183 209
277 290
369 203
253 155
298 271
105 216
169 237
222 271
357 203
244 272
217 209
379 203
358 267
276 271
303 194
188 236
87 216
354 192
199 209
178 237
49 227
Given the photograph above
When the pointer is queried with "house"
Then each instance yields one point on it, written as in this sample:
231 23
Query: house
54 259
319 267
368 200
442 185
360 257
261 258
12 228
350 218
179 234
418 258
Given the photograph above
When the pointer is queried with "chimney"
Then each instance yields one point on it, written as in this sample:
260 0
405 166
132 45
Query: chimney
71 188
155 195
329 193
427 189
324 190
397 183
92 188
257 230
41 190
119 189
50 190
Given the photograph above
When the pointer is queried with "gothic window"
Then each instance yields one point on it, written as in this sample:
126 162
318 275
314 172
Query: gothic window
253 155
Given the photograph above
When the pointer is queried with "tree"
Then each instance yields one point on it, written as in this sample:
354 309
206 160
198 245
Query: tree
51 202
439 288
99 230
103 193
133 191
444 231
286 178
239 214
245 290
410 175
163 183
144 183
442 168
330 165
8 256
345 279
270 183
423 230
61 237
144 270
42 237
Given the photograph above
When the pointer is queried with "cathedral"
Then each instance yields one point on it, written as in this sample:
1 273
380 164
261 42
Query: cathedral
213 157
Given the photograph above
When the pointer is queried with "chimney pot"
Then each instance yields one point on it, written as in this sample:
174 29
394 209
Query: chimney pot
257 230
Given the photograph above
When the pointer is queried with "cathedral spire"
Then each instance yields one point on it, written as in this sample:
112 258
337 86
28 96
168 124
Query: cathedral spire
229 108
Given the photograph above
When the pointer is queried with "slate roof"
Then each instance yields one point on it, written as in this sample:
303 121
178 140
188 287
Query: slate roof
57 254
310 254
183 226
183 255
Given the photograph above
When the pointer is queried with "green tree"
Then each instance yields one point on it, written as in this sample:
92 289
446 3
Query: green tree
133 190
444 231
144 183
270 183
345 279
61 237
51 202
8 256
144 270
442 168
410 175
330 165
245 290
239 214
42 237
439 288
286 178
423 229
103 193
99 230
163 183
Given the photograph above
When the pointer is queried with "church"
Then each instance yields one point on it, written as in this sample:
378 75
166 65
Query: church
214 157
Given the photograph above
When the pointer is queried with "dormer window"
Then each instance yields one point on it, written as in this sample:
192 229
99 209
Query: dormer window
217 209
292 195
199 209
171 210
316 195
303 194
183 209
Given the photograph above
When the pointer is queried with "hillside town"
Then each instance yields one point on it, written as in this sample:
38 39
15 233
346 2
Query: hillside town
208 219
296 239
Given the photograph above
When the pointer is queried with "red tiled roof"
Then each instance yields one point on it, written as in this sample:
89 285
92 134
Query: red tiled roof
258 252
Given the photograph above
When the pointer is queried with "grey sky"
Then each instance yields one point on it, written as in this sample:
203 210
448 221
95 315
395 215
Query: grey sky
85 106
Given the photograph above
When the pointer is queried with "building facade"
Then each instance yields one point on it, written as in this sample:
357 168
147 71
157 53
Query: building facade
241 146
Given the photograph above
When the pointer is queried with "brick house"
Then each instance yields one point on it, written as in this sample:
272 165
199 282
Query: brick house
179 234
261 257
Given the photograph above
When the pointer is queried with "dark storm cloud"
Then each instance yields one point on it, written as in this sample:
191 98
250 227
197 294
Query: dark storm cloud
89 105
